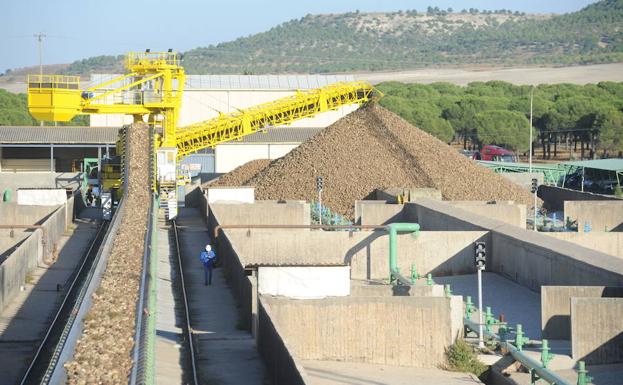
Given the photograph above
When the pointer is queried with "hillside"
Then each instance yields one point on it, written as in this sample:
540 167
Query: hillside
410 39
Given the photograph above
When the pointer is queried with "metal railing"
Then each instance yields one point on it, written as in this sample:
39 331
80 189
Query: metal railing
54 81
143 351
538 370
152 59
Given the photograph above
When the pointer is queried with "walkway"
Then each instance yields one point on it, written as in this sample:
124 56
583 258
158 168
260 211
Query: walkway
226 355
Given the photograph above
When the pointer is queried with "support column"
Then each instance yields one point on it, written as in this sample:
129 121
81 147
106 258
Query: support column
52 157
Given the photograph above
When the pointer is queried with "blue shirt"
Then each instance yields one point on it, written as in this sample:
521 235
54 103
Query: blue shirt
207 257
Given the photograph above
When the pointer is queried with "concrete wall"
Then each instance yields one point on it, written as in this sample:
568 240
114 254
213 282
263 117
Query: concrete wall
243 286
523 179
261 212
365 289
597 330
390 194
14 181
377 212
403 331
609 243
599 215
508 212
529 258
554 197
556 307
14 214
282 364
15 267
438 253
34 250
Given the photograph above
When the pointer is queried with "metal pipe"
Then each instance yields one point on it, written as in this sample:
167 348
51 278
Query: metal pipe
331 227
393 230
528 362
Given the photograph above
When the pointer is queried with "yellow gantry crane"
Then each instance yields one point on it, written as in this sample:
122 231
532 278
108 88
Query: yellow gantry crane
152 89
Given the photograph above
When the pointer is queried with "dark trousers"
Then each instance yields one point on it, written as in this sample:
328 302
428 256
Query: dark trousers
207 273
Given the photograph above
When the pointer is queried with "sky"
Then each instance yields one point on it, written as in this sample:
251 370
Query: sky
77 29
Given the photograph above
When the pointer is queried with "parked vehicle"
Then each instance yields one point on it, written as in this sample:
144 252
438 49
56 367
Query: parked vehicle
496 154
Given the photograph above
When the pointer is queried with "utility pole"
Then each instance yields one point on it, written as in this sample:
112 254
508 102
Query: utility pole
531 98
40 37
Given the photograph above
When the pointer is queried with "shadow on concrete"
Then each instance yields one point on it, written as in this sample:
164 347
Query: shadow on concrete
27 324
610 352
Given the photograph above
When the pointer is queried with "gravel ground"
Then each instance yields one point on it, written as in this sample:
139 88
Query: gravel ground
241 174
374 148
102 353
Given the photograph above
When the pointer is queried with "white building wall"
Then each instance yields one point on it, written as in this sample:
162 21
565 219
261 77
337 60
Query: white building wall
199 105
230 156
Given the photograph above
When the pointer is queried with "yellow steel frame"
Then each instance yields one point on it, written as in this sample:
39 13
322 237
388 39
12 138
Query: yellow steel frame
303 104
154 86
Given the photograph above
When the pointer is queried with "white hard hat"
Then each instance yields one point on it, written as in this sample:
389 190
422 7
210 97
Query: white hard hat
208 247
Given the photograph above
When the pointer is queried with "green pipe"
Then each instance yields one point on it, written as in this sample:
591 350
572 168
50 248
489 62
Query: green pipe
393 230
6 196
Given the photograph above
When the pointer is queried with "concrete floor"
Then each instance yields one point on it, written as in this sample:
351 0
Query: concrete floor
341 373
516 302
226 355
25 320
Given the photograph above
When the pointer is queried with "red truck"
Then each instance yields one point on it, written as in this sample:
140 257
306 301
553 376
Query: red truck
496 154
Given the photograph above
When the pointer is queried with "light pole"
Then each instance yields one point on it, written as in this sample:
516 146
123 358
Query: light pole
531 99
480 260
319 186
40 37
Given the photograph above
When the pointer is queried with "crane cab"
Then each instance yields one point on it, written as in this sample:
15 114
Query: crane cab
54 97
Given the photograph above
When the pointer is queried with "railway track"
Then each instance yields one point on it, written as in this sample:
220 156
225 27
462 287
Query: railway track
46 357
188 339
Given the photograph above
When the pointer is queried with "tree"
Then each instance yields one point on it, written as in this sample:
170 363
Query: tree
507 128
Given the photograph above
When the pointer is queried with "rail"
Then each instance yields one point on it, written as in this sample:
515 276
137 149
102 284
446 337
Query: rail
188 326
142 353
536 368
55 337
317 227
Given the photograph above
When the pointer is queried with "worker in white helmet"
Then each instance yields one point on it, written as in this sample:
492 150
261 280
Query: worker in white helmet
208 258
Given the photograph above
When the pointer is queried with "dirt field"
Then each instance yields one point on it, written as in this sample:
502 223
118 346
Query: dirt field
531 75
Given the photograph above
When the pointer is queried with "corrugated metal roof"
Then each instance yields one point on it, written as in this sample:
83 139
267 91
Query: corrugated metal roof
58 135
600 164
245 82
289 135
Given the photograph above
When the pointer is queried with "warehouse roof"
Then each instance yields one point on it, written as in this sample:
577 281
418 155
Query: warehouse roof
57 135
289 135
248 82
600 164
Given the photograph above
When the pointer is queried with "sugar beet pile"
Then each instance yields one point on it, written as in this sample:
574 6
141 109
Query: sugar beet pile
102 354
368 149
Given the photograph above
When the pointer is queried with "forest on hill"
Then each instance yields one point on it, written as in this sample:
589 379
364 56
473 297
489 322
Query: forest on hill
408 39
